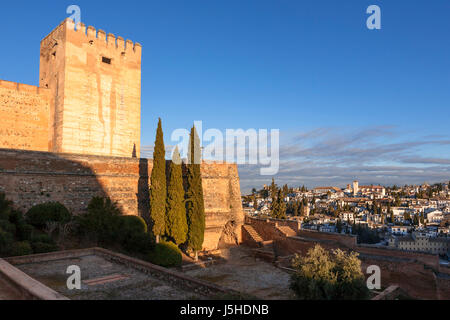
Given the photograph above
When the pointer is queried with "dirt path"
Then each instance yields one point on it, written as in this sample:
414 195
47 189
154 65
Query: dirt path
242 272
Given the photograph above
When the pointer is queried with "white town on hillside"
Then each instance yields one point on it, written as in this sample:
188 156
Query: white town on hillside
412 218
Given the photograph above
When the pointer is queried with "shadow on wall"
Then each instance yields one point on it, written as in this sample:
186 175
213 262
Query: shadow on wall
143 194
29 178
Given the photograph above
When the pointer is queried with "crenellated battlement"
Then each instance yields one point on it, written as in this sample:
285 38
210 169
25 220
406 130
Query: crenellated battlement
99 36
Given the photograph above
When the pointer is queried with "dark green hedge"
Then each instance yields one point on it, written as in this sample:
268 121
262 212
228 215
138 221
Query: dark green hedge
39 215
165 254
21 248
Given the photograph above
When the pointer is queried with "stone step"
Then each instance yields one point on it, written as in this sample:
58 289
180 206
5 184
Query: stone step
253 234
287 231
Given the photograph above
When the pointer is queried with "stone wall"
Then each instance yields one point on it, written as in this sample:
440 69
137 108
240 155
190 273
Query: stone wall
29 178
24 112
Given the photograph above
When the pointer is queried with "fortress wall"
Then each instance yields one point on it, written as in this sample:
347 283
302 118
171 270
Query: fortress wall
24 111
348 241
29 178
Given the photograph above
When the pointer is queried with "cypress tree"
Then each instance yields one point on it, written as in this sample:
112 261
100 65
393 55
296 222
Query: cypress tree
158 191
176 220
273 189
194 197
255 202
274 207
279 207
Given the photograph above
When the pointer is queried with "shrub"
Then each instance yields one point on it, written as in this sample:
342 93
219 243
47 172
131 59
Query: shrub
41 214
101 221
42 238
24 231
165 254
8 226
130 226
141 243
133 224
16 217
42 247
22 248
5 207
6 241
324 276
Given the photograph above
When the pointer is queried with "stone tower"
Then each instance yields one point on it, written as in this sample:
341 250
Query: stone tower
355 187
95 85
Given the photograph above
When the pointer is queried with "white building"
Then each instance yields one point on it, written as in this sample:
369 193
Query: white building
399 230
435 216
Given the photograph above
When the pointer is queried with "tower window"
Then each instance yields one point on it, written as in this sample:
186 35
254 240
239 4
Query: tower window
106 60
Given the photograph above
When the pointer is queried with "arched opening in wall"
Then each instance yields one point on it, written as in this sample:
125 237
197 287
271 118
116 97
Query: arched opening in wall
229 238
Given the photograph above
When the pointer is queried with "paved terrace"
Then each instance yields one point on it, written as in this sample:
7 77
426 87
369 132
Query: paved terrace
104 280
105 276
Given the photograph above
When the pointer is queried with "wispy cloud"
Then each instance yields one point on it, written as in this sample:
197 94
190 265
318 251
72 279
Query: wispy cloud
337 156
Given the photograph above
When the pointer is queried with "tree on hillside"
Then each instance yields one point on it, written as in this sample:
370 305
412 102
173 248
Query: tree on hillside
301 209
323 275
176 220
255 202
278 206
406 216
264 194
422 218
416 221
194 197
296 208
158 191
339 226
273 189
285 190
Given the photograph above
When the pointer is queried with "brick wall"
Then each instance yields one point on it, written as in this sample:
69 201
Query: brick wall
24 112
29 178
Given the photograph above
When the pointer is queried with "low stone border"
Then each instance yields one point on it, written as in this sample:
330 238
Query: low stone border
175 278
199 265
389 294
26 286
51 256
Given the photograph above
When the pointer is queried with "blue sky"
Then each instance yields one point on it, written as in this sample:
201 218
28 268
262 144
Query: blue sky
350 102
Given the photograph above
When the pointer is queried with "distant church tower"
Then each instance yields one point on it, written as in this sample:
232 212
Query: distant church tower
355 187
95 84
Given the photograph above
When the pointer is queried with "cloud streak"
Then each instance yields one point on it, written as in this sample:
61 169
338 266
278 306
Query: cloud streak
337 156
